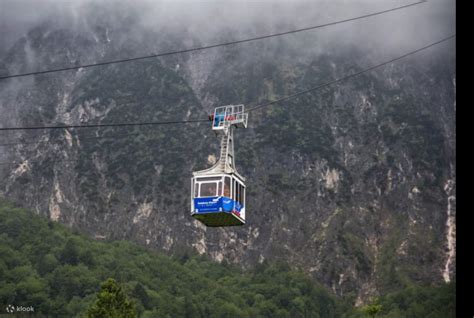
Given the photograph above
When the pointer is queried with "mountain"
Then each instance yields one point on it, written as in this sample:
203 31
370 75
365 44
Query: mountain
355 184
57 272
51 270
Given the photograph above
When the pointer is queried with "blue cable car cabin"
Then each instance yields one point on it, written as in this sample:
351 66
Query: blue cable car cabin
218 200
218 193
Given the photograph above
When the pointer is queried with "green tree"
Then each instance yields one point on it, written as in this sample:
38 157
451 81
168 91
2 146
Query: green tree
70 253
112 302
372 309
140 293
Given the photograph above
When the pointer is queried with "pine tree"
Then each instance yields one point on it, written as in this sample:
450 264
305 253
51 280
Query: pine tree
112 302
372 309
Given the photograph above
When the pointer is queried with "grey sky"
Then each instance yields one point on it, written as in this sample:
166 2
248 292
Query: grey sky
397 30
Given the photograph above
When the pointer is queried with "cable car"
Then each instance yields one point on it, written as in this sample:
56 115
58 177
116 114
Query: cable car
218 193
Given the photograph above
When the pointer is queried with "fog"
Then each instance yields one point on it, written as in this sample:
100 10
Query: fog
214 21
209 21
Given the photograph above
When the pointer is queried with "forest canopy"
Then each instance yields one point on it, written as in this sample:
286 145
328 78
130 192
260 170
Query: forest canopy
59 272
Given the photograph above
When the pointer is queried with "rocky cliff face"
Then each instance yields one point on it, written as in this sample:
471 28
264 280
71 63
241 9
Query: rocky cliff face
355 183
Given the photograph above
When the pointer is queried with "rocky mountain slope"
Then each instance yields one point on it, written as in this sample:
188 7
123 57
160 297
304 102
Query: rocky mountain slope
355 183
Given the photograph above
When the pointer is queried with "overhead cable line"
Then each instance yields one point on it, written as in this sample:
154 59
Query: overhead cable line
250 109
211 46
28 160
107 125
347 76
80 139
38 161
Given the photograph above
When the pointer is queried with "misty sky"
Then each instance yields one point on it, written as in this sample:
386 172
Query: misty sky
402 29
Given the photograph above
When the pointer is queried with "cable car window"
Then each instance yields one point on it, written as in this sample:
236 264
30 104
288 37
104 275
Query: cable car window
240 193
237 191
209 179
219 189
237 198
208 189
243 196
196 190
227 187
